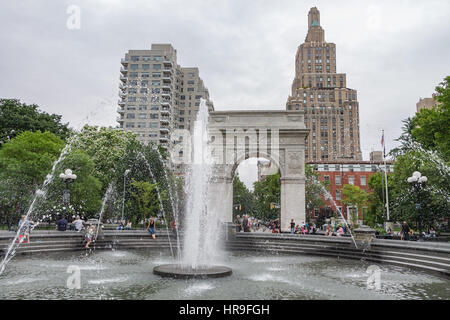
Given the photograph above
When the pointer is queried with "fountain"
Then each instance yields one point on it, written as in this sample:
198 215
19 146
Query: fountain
201 232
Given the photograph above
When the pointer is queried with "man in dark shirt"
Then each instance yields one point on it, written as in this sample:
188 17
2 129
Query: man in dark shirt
61 225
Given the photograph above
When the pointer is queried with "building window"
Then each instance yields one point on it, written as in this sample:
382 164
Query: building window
363 181
157 67
351 180
129 125
153 125
338 195
134 58
338 180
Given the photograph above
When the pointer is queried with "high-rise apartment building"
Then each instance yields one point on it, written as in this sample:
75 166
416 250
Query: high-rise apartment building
157 95
331 108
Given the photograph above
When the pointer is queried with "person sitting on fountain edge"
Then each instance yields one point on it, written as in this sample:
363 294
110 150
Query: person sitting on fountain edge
61 225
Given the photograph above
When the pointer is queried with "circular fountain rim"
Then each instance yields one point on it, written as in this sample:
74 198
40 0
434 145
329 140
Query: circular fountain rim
175 271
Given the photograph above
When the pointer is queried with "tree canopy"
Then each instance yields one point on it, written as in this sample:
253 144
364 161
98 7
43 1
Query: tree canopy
17 117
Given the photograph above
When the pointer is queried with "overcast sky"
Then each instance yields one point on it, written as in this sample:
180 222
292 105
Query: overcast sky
393 53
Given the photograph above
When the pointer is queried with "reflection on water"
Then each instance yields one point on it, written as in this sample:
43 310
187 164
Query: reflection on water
128 275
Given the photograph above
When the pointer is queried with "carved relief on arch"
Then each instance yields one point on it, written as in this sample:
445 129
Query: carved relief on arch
295 162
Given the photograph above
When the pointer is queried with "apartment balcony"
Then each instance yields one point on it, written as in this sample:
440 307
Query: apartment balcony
165 111
164 138
166 86
122 86
168 63
122 93
120 120
124 70
120 110
164 119
166 94
164 145
165 103
167 79
124 61
164 128
166 70
123 78
121 102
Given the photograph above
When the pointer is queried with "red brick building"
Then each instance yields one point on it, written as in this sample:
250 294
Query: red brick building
340 173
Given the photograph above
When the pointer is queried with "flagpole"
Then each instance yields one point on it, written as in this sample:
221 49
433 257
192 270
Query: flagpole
385 178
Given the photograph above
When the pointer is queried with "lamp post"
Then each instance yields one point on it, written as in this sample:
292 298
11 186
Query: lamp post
123 197
418 181
67 177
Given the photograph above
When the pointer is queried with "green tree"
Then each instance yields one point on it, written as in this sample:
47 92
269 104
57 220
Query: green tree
433 198
377 212
431 128
146 203
314 189
353 196
266 192
17 117
107 148
85 191
242 197
24 163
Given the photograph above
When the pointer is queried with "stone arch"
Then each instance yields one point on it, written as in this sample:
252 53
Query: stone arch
254 155
278 136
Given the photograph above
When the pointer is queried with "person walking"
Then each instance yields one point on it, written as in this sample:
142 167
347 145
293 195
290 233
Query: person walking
245 223
237 222
151 227
292 226
405 231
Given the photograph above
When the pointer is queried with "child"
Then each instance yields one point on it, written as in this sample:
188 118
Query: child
89 236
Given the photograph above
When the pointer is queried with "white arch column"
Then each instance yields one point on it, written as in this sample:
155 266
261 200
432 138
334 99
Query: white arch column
292 203
220 195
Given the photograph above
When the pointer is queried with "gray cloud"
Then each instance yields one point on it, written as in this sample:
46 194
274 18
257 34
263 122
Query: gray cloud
393 53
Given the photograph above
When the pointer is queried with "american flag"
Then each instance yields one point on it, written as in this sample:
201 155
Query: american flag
383 145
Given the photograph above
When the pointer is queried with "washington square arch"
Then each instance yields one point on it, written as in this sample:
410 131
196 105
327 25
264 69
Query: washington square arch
278 136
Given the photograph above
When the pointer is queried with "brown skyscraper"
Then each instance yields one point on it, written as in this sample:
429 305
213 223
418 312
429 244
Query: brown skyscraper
331 109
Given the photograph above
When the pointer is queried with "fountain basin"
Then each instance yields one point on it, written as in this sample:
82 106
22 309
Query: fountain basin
178 271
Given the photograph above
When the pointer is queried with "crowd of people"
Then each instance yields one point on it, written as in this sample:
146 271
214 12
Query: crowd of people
243 224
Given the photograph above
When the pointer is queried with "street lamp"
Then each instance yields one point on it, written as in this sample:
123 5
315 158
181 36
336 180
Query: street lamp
123 198
67 177
418 181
